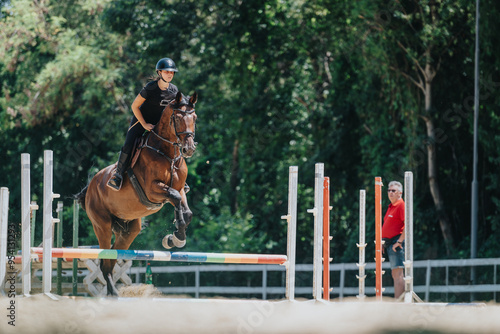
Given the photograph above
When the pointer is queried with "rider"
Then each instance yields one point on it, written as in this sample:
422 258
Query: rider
147 108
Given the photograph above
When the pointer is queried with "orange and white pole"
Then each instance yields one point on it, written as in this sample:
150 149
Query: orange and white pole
378 238
326 238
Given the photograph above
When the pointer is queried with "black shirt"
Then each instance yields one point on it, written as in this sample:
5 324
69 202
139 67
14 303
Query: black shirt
151 109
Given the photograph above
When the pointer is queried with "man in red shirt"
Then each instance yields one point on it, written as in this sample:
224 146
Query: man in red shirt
393 233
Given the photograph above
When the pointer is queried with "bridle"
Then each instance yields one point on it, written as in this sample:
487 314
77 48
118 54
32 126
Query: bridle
178 143
177 134
187 133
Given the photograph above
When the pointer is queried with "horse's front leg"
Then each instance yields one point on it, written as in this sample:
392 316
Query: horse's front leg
187 216
178 200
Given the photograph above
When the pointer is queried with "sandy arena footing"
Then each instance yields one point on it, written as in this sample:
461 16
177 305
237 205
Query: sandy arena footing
153 314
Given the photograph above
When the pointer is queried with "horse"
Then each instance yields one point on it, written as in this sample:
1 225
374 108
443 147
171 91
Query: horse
156 176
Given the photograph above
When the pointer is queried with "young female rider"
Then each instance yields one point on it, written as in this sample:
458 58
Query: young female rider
147 110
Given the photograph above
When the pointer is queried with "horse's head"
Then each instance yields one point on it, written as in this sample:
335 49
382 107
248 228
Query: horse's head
184 122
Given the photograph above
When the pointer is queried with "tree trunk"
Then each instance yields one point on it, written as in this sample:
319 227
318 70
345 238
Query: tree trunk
444 221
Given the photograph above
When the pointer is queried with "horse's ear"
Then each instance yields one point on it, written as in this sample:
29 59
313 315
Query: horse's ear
193 98
178 98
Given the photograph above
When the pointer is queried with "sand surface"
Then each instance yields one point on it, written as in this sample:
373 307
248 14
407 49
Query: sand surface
149 313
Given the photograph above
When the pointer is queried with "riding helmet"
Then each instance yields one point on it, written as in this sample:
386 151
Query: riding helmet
166 64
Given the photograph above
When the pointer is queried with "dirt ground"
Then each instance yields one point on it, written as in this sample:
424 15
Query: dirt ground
143 311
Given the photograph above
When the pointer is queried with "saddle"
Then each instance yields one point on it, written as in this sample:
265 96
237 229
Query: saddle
136 152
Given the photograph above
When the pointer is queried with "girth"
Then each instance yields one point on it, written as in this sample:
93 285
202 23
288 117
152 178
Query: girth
143 198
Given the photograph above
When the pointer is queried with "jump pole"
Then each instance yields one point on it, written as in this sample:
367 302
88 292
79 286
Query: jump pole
48 221
4 222
120 254
362 244
317 212
378 238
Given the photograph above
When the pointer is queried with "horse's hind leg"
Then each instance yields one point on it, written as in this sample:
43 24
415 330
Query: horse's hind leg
183 217
125 233
102 229
107 266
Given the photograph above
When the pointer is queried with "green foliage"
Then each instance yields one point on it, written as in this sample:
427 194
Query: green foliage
225 233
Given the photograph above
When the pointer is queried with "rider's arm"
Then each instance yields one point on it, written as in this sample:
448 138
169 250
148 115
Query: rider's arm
139 100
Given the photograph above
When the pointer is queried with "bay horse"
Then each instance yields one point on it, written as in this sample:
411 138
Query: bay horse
160 170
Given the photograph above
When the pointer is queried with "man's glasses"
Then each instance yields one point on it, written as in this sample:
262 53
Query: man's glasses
392 190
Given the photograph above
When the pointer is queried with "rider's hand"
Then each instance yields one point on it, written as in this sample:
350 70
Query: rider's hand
148 127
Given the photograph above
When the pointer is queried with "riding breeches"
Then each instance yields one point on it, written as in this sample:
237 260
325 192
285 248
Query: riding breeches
134 131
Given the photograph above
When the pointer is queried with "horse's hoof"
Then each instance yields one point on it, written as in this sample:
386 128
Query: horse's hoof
167 242
171 241
111 289
178 242
112 294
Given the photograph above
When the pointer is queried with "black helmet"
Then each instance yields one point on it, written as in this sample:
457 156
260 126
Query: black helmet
166 64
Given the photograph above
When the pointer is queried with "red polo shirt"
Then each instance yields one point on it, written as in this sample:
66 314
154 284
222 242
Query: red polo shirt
394 220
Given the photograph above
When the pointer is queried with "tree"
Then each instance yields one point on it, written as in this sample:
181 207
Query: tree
60 88
415 37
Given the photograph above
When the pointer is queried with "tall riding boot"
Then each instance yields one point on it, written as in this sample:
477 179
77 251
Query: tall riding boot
115 182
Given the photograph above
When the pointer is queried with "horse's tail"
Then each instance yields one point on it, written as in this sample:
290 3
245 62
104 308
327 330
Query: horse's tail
80 197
